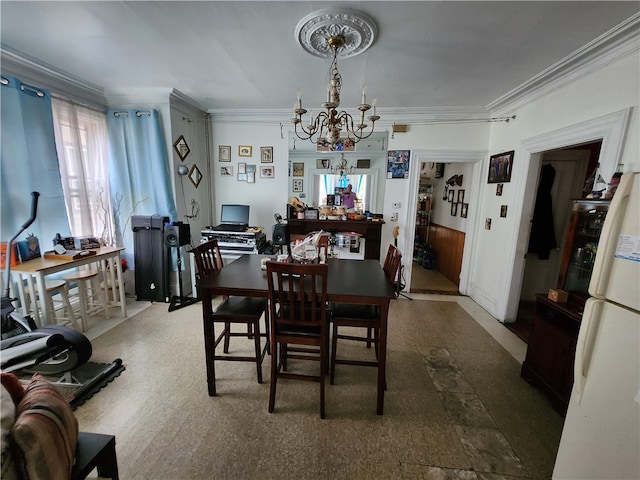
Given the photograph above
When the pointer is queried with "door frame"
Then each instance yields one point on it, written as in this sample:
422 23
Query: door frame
445 156
610 129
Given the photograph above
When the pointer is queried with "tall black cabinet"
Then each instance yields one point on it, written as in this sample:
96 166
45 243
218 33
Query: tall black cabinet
152 258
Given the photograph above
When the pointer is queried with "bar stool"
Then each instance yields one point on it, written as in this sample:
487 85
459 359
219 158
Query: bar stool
91 296
52 288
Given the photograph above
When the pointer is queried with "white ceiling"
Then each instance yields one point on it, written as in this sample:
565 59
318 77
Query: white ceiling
243 55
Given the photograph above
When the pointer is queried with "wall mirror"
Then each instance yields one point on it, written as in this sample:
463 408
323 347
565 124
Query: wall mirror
364 184
181 147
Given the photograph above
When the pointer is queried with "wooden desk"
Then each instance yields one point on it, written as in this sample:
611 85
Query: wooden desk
349 281
38 268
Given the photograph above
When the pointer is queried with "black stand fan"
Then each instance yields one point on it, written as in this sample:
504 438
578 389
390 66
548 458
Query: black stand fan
180 301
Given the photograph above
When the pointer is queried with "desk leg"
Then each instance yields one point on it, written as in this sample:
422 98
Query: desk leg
382 354
208 341
120 280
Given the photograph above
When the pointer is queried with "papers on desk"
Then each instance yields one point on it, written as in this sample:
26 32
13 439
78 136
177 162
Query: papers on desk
69 254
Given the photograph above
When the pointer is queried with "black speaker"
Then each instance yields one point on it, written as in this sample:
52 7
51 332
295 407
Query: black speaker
152 258
281 234
176 234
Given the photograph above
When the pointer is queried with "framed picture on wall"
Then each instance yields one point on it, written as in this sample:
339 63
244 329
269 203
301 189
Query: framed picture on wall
297 185
245 150
463 210
500 166
266 154
224 153
398 163
298 169
454 209
226 171
266 172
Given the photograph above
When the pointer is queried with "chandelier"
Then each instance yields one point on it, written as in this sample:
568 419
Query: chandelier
348 32
342 168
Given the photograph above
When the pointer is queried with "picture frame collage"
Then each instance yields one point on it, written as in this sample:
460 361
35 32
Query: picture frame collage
458 205
246 172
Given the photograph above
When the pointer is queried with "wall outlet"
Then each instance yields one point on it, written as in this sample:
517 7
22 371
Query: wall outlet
396 204
394 217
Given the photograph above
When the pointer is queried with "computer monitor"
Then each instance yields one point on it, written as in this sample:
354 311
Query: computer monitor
234 215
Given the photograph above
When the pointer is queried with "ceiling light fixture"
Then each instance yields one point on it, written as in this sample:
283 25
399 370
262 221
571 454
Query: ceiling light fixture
342 168
341 32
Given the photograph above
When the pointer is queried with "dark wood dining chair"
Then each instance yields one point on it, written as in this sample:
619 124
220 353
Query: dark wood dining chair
234 310
360 316
299 323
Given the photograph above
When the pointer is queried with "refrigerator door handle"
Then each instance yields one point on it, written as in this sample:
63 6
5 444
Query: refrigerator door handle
609 237
584 346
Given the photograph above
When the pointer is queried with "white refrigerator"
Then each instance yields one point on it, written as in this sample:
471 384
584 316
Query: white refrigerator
601 434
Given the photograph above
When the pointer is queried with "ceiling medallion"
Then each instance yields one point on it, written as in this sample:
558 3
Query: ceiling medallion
358 30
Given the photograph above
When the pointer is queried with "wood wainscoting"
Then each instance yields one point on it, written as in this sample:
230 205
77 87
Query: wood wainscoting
448 245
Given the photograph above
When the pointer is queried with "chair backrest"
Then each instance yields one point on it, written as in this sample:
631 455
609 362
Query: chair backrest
391 271
297 294
387 260
208 258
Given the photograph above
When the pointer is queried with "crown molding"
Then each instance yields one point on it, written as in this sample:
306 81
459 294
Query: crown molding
617 43
36 72
389 116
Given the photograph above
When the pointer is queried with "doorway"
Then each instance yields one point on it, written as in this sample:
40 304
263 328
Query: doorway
572 168
468 164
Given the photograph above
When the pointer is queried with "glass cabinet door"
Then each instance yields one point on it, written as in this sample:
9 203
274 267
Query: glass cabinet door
587 219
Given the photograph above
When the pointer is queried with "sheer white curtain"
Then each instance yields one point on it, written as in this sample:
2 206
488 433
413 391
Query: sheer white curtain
82 145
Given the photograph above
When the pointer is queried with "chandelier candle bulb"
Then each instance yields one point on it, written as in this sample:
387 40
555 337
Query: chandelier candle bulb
364 95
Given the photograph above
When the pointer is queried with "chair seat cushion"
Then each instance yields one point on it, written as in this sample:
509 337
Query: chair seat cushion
241 307
359 312
298 331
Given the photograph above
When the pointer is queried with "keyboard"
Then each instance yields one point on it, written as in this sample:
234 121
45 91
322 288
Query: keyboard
230 228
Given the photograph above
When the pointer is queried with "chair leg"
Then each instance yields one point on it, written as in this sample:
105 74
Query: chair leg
98 291
323 374
82 300
369 338
334 347
274 377
227 337
256 339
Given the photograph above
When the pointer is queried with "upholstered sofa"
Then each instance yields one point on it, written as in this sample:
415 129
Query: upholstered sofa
40 438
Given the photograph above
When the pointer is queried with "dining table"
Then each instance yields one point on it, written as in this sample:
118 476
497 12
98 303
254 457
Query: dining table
34 271
349 281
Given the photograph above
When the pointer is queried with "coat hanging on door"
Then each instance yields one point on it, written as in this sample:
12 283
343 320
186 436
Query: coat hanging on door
543 238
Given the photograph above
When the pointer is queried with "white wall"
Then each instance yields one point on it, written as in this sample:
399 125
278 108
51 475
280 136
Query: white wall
613 88
266 196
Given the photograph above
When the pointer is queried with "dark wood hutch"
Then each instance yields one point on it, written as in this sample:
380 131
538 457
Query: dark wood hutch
552 344
372 231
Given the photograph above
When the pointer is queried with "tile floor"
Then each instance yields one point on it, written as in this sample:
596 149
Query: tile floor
455 408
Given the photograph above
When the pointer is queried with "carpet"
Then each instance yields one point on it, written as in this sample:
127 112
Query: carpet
82 383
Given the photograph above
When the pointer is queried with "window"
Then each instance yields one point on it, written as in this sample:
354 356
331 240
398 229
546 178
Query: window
82 145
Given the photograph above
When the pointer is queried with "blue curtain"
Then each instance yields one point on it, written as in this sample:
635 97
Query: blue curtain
139 171
29 162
